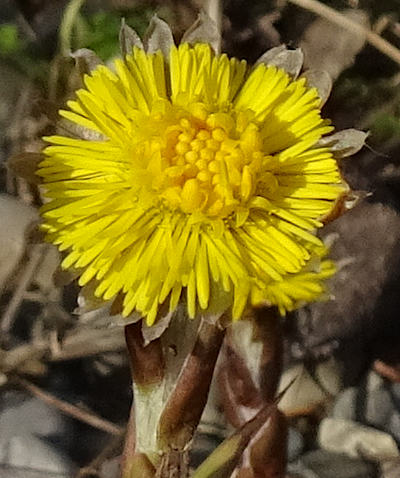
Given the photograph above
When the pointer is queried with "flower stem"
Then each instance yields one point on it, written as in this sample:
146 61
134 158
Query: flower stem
185 405
171 379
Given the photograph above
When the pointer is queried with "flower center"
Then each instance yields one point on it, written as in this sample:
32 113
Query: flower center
210 163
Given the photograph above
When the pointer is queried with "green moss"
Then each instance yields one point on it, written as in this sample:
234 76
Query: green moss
100 32
9 40
385 127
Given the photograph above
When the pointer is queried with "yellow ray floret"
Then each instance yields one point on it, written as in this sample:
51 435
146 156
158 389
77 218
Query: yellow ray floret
206 186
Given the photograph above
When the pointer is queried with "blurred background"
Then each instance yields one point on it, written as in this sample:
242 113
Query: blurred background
64 380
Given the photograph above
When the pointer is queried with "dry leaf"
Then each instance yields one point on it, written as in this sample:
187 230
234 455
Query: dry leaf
331 48
16 218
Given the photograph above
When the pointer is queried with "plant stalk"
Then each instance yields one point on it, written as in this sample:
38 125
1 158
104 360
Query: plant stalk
171 379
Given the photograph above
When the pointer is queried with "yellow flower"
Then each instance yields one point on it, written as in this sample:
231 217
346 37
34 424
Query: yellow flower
205 182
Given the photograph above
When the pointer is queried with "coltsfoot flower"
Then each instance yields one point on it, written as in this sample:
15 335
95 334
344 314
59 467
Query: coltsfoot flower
206 183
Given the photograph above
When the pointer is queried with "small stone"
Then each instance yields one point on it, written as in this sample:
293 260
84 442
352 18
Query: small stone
324 464
20 416
350 438
390 469
372 405
295 444
110 468
33 453
27 428
395 393
379 408
345 404
380 405
307 392
328 374
3 379
393 427
375 382
303 395
362 277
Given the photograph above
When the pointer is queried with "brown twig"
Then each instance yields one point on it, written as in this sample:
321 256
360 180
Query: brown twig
382 24
86 342
396 28
341 20
72 410
129 450
49 349
23 284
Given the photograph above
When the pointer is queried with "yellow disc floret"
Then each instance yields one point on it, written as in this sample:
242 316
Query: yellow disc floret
209 163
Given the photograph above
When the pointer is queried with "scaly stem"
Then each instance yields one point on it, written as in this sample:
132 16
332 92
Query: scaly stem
171 379
174 464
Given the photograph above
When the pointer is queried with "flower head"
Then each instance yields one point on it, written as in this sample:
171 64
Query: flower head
205 182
